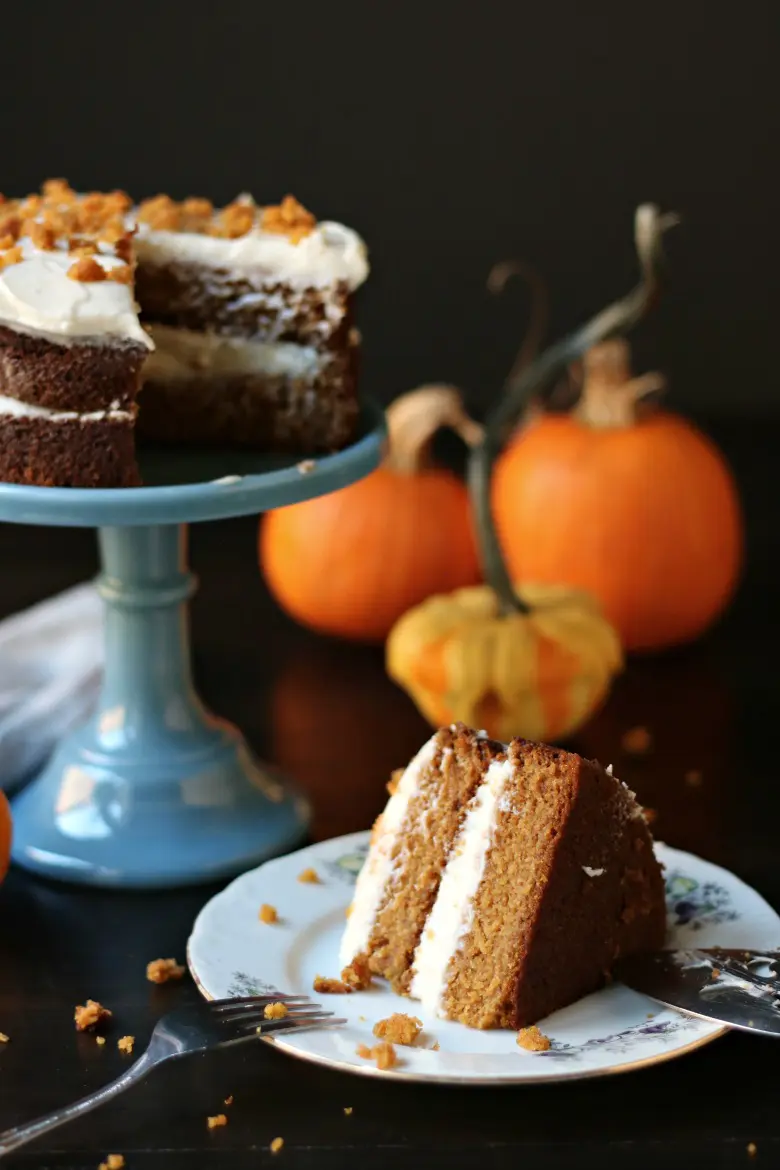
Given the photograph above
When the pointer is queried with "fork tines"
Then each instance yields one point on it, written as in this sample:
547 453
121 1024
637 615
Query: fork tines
248 1013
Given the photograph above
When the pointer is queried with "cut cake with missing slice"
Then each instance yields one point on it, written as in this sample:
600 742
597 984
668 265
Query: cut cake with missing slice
502 883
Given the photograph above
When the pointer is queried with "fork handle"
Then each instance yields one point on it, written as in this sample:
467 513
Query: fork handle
12 1139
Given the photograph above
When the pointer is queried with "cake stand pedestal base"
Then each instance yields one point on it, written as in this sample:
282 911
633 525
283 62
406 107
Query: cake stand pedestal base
154 790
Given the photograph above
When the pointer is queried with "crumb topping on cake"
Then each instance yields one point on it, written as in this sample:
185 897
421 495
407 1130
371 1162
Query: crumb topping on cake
398 1029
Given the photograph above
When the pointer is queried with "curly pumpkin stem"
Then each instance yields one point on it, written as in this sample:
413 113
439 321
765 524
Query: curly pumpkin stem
415 417
610 396
617 319
497 280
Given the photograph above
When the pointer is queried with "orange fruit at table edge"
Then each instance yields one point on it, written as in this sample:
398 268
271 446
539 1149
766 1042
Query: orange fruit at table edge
5 835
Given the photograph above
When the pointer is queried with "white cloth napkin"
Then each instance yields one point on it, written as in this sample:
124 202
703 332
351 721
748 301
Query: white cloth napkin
51 659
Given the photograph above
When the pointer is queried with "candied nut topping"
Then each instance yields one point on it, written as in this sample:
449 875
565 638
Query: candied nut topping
215 1122
42 236
288 218
267 914
309 876
87 270
90 1015
122 273
533 1040
357 974
161 213
326 986
236 220
163 970
276 1011
399 1029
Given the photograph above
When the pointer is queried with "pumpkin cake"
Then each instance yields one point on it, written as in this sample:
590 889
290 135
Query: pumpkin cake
503 881
242 334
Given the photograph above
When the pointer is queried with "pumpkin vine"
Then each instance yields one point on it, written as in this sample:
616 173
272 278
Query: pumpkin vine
615 320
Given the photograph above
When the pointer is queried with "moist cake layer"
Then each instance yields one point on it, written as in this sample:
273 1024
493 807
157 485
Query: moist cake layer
95 451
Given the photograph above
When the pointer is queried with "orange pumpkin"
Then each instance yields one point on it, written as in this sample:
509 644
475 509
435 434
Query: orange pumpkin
627 501
5 836
352 562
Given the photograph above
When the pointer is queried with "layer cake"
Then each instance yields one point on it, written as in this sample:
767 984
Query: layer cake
503 881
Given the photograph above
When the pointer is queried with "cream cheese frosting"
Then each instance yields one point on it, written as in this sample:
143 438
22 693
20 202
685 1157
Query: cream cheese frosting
37 294
330 254
17 409
184 354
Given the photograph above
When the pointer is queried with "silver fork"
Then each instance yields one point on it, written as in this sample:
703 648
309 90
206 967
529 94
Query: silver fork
205 1025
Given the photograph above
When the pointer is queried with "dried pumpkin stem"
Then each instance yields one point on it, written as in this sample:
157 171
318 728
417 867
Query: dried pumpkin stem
415 417
497 280
615 320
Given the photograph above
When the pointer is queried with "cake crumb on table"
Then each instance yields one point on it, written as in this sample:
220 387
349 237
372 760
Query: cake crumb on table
113 1162
216 1121
100 1040
163 970
637 741
229 1100
306 466
533 1040
435 1047
398 1029
276 1145
3 1038
752 1149
90 1015
347 1110
267 914
327 986
309 876
276 1011
357 974
693 778
125 1043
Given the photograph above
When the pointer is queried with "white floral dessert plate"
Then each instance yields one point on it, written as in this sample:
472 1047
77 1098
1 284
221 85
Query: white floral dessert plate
230 952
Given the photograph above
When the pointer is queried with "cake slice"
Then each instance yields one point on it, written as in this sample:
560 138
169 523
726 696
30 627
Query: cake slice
71 345
250 310
510 892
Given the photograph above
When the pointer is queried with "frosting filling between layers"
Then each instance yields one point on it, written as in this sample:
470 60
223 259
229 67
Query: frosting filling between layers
15 409
452 913
181 354
37 294
377 874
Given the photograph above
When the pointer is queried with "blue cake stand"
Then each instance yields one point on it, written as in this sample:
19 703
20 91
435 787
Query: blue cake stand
155 790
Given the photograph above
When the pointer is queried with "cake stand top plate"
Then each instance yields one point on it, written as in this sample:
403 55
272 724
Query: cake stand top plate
185 484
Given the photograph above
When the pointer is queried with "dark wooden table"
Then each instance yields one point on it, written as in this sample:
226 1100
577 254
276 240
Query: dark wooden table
326 713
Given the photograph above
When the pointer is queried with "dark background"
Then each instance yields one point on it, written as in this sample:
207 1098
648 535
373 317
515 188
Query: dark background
451 135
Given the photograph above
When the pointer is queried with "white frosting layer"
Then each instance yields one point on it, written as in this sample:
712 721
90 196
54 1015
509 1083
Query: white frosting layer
329 254
182 354
38 295
452 913
379 868
17 409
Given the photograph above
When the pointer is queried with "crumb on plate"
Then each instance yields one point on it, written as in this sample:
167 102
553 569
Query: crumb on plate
229 1100
112 1162
216 1121
267 914
398 1029
533 1040
3 1038
383 1053
752 1149
90 1015
327 986
309 876
163 970
357 974
347 1110
125 1043
276 1145
276 1011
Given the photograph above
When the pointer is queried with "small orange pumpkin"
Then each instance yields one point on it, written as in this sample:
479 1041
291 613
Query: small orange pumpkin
627 501
5 836
352 562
